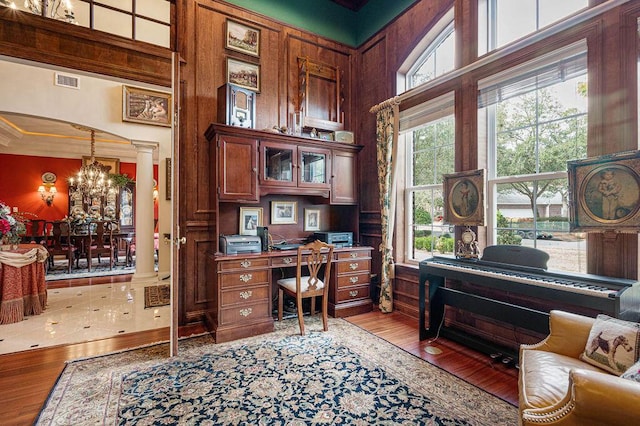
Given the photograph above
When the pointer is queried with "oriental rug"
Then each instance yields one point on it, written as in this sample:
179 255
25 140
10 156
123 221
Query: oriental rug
343 376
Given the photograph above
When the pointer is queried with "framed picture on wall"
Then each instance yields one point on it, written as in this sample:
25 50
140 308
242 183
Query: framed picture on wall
146 106
604 193
311 219
250 219
463 195
284 212
242 38
243 74
113 164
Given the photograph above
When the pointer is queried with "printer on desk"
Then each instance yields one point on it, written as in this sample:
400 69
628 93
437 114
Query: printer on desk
338 239
236 244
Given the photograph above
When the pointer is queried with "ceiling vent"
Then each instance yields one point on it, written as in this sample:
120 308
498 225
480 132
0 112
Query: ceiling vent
65 80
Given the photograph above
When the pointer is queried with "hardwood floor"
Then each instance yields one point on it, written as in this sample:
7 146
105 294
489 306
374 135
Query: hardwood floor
27 377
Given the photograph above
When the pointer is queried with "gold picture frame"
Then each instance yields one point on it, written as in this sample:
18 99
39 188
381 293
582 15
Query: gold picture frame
604 193
243 74
250 219
146 106
113 164
284 212
463 195
242 38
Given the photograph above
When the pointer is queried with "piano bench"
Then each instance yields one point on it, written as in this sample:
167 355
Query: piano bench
556 387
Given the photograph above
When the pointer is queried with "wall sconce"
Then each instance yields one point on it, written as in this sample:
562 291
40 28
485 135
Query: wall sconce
48 190
155 190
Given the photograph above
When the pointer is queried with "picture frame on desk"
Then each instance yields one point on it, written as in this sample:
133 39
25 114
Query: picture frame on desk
250 219
311 219
284 212
604 193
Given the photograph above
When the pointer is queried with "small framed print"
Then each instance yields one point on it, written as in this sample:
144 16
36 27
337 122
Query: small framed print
311 219
250 219
284 212
146 106
243 74
464 198
604 193
111 164
242 38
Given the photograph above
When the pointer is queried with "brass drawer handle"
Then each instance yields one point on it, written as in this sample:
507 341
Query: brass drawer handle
287 260
246 294
246 312
354 280
246 278
353 293
353 266
353 254
245 263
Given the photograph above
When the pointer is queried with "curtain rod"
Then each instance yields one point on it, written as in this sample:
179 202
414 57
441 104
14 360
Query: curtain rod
491 57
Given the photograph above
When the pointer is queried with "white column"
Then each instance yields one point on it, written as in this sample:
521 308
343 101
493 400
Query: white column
144 210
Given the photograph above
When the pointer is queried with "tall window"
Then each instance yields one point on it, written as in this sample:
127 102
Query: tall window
502 21
536 120
429 139
436 60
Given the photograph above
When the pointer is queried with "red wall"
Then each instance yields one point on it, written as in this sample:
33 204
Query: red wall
21 175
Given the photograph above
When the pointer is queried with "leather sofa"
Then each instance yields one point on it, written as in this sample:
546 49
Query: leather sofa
556 387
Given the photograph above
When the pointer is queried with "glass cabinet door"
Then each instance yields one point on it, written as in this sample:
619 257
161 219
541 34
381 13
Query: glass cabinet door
313 167
278 162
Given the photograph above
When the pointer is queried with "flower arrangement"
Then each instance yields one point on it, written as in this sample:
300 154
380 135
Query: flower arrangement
82 217
12 226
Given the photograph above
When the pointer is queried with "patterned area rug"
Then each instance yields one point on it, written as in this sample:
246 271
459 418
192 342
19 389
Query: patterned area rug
157 295
59 271
343 376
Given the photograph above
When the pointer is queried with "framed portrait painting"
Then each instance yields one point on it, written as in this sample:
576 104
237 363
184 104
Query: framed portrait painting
243 74
242 38
250 219
463 195
311 219
284 212
604 193
146 106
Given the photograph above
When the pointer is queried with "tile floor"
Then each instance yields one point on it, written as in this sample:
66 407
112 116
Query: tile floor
78 314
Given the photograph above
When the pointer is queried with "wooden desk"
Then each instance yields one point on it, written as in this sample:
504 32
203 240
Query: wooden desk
244 287
23 289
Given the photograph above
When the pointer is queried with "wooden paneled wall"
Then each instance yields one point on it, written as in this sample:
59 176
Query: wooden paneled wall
203 70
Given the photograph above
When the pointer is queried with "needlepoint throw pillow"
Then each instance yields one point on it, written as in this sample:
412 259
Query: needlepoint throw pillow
613 344
633 373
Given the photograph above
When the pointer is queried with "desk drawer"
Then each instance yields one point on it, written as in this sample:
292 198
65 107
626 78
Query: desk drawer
354 254
353 293
245 313
361 265
242 263
353 280
284 261
245 295
244 279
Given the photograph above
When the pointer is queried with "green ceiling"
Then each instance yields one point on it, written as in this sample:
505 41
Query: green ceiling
328 19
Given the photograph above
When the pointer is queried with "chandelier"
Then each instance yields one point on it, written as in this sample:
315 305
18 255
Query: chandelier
92 180
61 10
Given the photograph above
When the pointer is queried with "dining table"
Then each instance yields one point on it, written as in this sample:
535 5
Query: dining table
23 288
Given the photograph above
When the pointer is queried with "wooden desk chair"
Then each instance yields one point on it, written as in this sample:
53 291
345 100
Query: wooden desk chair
101 242
59 243
317 256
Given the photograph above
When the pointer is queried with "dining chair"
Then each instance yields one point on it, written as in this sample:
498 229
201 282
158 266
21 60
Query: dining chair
315 260
36 231
59 243
101 242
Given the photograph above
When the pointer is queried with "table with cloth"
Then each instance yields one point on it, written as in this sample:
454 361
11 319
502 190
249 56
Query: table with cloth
23 288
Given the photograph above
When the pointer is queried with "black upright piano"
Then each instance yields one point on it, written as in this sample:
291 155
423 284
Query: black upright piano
522 272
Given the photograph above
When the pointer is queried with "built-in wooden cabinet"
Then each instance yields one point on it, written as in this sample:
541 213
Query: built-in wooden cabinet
349 293
288 165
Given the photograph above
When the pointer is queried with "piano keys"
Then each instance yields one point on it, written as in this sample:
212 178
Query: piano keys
521 272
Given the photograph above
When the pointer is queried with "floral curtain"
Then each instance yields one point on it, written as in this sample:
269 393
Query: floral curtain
387 150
